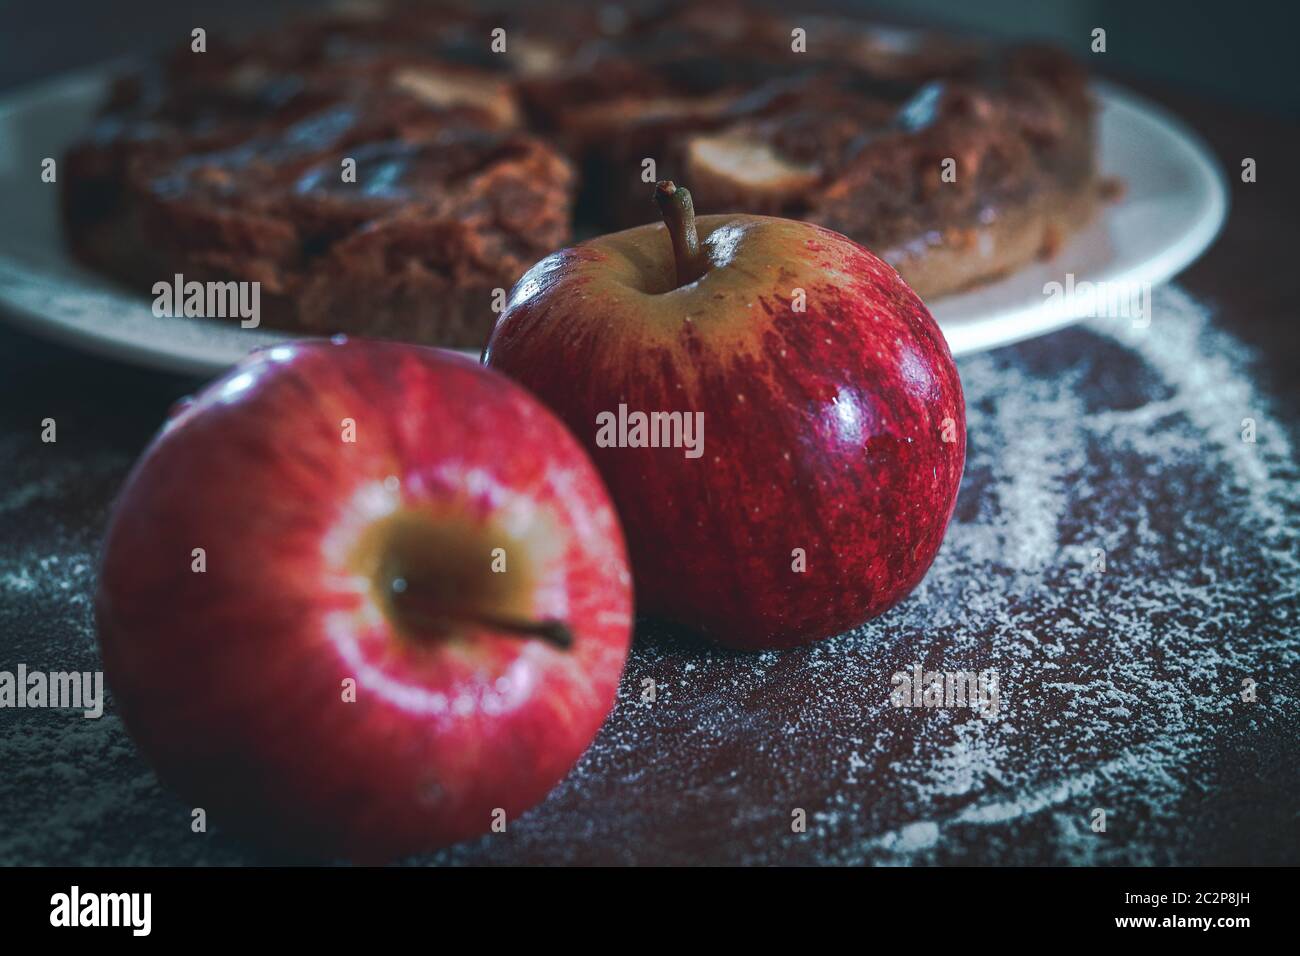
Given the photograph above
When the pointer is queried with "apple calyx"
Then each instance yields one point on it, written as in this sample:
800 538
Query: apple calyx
428 618
678 210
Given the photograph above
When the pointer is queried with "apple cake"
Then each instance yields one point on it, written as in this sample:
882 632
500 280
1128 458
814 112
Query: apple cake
384 169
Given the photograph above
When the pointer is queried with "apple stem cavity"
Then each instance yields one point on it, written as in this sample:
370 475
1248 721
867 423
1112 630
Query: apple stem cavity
678 210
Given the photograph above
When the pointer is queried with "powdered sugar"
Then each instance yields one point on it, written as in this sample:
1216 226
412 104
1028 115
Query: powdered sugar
1121 690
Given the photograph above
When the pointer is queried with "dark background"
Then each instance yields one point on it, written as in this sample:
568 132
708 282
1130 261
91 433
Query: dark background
1235 53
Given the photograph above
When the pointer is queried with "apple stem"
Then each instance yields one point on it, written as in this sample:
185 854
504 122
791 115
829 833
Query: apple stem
678 210
553 632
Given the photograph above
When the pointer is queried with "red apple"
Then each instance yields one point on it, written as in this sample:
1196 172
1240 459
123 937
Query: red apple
833 418
384 641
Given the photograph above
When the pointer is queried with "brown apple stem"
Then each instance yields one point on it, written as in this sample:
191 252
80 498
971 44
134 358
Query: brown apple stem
679 216
556 633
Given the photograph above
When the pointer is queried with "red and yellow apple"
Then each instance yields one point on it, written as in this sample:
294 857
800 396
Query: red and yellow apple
832 417
363 599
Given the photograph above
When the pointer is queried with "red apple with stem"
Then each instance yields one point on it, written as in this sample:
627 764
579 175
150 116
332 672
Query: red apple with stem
362 599
832 417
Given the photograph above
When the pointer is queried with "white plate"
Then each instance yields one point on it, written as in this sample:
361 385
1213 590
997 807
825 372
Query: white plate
1175 203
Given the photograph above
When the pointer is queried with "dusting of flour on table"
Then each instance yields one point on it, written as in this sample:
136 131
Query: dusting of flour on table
1119 690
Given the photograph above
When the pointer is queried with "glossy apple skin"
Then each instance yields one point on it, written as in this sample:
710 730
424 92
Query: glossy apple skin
824 429
231 680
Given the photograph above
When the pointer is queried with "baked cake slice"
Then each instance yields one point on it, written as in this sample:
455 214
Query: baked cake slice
241 177
969 176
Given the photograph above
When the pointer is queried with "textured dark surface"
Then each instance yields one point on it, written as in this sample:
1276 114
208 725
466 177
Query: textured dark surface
1119 690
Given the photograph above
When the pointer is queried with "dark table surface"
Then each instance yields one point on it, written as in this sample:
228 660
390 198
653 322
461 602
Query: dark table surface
1120 690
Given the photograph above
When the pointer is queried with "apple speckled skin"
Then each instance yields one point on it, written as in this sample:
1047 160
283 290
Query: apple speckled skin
836 433
232 679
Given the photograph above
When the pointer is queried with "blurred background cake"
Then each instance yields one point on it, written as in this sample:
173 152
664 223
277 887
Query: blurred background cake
479 140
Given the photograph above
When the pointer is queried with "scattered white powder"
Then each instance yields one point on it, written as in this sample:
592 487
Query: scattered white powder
1119 691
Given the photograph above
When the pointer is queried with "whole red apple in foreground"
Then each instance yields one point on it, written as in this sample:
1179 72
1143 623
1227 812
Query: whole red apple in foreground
831 413
459 560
